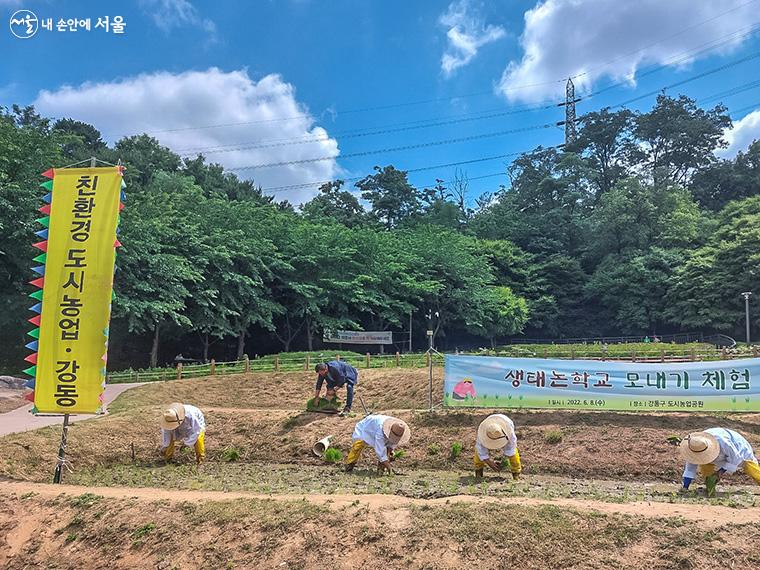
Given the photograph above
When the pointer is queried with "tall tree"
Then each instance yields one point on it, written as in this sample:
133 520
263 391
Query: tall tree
394 200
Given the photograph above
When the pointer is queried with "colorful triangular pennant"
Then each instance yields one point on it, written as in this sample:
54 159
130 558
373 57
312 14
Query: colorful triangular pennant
48 198
39 270
34 333
49 173
44 209
31 383
34 345
38 282
36 295
41 258
42 233
41 245
36 308
44 221
35 320
31 371
32 358
47 185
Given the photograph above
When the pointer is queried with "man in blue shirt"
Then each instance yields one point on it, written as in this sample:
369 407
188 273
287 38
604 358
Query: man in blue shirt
337 374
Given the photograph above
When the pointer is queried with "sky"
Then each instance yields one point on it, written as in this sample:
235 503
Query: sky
293 93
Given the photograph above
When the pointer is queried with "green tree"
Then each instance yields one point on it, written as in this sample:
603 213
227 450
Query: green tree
706 288
335 205
679 138
394 200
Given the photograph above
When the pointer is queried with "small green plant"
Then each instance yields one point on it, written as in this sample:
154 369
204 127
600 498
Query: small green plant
85 500
143 530
456 449
71 537
398 454
333 455
230 454
553 436
434 449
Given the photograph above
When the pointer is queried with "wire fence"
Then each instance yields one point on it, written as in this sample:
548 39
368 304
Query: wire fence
294 363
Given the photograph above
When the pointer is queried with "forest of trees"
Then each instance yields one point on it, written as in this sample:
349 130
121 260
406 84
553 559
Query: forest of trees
638 228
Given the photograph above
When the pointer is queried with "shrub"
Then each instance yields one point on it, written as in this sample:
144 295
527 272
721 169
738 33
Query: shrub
456 449
553 436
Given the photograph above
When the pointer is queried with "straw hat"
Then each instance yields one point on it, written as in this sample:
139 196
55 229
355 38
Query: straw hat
173 416
494 432
397 432
699 448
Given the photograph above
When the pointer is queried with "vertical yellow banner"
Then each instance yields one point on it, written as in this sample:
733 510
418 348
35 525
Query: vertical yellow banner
77 290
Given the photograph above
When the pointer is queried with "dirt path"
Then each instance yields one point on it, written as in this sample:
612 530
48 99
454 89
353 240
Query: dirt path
20 419
705 515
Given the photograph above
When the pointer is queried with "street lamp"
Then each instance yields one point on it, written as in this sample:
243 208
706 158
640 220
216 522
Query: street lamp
746 295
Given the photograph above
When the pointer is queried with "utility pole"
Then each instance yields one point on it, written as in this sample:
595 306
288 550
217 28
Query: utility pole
570 118
746 296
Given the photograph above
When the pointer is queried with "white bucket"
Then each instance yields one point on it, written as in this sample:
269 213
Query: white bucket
321 446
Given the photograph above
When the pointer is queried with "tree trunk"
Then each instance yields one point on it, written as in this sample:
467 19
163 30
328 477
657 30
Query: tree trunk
241 345
205 347
154 348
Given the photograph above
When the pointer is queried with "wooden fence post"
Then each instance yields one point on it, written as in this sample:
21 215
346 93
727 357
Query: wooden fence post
546 352
212 367
693 354
366 360
277 363
755 352
163 376
135 377
398 359
179 371
662 355
308 362
427 359
247 362
572 353
633 356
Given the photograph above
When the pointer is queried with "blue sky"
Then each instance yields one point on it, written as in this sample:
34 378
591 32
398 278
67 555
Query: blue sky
289 81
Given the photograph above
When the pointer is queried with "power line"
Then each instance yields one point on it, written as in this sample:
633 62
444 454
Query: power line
274 189
454 97
709 72
233 148
466 117
393 149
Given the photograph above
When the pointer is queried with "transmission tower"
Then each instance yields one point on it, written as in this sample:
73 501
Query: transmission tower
570 119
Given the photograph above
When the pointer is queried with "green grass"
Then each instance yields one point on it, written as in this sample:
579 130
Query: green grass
230 454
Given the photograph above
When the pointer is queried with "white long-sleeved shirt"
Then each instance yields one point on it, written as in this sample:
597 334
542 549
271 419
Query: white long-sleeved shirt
734 451
188 431
508 450
370 431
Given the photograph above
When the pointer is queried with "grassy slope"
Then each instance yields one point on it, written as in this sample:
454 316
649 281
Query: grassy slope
69 532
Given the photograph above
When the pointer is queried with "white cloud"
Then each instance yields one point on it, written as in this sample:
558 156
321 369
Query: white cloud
157 102
466 34
170 14
744 132
614 38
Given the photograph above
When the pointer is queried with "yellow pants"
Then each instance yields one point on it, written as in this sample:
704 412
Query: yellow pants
750 468
200 449
514 462
356 452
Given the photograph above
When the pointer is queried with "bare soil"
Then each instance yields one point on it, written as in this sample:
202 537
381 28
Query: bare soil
601 497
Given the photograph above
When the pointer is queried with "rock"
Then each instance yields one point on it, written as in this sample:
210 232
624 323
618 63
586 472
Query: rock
12 383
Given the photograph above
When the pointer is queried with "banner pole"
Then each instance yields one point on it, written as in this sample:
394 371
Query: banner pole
62 450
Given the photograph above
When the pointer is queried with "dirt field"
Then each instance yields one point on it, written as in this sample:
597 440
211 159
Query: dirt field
598 488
